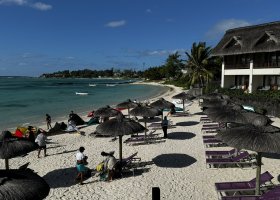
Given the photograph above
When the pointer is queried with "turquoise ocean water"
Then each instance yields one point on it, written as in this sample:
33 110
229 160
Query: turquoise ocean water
26 100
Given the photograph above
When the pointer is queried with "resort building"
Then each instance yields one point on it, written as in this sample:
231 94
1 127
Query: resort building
251 57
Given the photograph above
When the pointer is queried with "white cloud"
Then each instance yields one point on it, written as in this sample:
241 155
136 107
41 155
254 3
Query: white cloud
169 20
13 2
114 24
41 6
148 10
224 25
37 5
161 52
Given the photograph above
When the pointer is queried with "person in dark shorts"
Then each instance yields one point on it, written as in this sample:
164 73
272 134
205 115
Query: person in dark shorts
49 121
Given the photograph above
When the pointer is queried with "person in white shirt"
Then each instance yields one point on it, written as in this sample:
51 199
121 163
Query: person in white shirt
41 141
80 164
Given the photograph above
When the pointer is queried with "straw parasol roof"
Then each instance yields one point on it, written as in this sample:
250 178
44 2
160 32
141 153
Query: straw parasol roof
228 114
214 103
249 39
145 111
11 147
127 104
214 96
161 104
256 138
119 126
106 111
22 184
183 96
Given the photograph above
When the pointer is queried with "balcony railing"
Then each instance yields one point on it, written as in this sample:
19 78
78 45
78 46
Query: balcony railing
237 66
265 65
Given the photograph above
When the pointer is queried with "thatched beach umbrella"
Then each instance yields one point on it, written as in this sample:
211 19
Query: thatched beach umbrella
22 184
161 104
119 126
145 112
228 114
11 147
183 96
214 103
214 96
127 104
106 111
256 138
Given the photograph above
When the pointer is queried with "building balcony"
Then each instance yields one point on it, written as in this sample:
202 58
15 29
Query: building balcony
237 66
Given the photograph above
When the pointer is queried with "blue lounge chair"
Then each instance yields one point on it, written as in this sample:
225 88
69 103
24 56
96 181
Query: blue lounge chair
240 186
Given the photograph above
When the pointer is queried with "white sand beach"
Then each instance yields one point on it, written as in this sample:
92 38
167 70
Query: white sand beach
178 167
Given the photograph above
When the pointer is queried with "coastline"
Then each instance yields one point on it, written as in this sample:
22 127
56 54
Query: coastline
82 111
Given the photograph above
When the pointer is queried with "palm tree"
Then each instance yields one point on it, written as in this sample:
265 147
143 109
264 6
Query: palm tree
173 66
199 64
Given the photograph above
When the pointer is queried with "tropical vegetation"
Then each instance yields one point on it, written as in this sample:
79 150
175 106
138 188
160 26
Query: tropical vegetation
197 69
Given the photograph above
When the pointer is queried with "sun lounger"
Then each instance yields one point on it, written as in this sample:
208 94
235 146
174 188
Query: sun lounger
239 160
157 125
180 114
229 153
205 137
272 194
240 186
213 142
142 139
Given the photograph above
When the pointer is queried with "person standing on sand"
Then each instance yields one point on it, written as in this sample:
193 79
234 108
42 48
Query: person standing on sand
81 162
41 141
49 121
164 125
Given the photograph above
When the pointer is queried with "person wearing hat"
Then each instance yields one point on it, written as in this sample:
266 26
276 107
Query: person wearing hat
80 164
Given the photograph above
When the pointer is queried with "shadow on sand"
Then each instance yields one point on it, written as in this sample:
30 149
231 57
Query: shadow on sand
271 155
63 152
62 177
180 135
199 113
189 123
57 146
156 119
175 160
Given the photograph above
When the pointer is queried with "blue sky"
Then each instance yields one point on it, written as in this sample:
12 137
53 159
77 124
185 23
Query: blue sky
49 35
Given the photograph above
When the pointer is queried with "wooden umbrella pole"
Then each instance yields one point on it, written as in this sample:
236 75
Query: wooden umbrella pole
7 164
183 105
120 148
145 128
259 165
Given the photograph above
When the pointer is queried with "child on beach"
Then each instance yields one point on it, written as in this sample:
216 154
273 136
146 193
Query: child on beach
49 121
81 161
41 141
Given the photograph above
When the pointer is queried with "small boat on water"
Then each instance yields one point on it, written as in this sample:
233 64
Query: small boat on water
110 85
92 85
81 93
